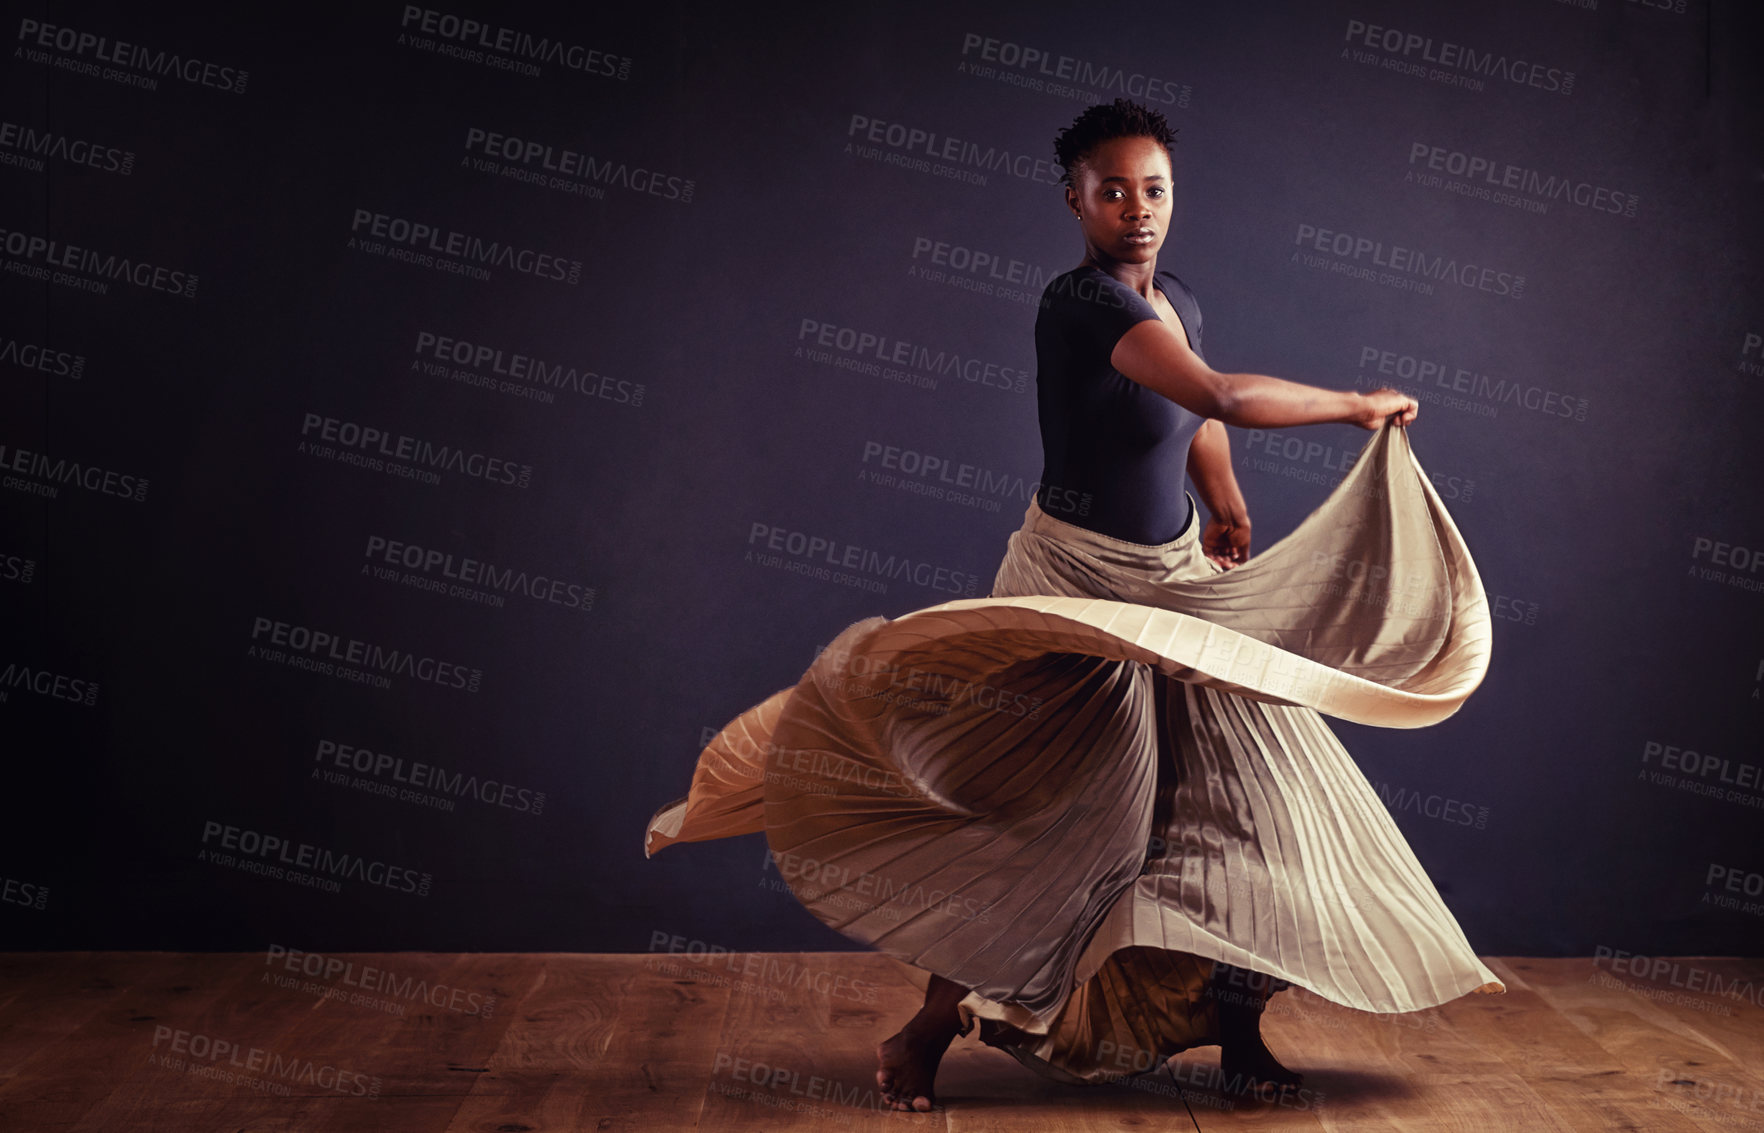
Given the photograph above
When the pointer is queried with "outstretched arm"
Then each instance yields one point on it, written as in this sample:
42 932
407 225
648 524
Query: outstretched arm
1226 539
1155 356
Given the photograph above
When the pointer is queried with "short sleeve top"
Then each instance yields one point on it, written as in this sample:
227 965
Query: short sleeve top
1114 453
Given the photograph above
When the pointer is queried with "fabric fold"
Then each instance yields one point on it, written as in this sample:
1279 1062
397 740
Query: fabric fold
1114 770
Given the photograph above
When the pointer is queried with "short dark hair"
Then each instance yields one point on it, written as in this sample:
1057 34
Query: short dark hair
1106 121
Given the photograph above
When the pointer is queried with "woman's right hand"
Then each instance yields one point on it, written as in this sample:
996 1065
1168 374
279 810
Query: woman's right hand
1376 405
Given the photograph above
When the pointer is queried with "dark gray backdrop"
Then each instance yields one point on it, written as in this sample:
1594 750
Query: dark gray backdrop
211 291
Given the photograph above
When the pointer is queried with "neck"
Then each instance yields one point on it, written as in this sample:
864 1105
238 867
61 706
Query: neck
1137 276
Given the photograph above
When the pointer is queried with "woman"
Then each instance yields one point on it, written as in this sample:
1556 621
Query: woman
1099 811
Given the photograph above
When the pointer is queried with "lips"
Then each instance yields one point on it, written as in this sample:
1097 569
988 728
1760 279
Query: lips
1140 236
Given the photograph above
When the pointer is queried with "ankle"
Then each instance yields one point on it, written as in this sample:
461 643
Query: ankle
933 1026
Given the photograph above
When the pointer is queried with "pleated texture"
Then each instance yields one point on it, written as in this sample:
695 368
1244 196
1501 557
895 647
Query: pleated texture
1139 1008
1075 794
725 797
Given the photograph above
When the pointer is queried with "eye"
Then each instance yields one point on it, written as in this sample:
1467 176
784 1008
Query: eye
1111 194
1157 190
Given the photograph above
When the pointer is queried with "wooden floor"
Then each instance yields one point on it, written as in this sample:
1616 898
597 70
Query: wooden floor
497 1042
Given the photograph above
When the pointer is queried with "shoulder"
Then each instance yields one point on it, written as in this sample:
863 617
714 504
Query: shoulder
1090 292
1177 286
1089 305
1183 299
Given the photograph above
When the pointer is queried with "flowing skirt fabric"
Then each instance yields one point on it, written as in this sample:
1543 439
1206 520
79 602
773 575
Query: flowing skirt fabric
1076 794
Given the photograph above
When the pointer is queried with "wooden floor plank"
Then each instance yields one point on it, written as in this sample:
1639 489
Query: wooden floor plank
787 1041
44 997
1720 999
1732 1038
1586 1085
988 1091
58 1085
601 1042
1684 1070
290 1042
1416 1071
176 1052
796 1050
420 1023
293 1114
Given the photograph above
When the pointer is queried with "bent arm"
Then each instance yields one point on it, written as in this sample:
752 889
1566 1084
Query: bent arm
1209 466
1155 356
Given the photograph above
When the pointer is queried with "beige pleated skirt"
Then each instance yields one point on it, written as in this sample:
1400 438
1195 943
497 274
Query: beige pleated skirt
1075 795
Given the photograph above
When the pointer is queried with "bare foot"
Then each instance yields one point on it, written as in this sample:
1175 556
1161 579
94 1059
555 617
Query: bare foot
906 1065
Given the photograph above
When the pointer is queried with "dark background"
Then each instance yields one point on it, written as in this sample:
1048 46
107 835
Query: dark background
1626 625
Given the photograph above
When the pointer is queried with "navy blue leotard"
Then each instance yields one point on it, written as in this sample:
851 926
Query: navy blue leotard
1115 454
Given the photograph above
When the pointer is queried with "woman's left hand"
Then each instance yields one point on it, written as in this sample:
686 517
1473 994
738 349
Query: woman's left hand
1227 544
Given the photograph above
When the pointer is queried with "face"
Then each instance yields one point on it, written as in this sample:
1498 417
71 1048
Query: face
1121 196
